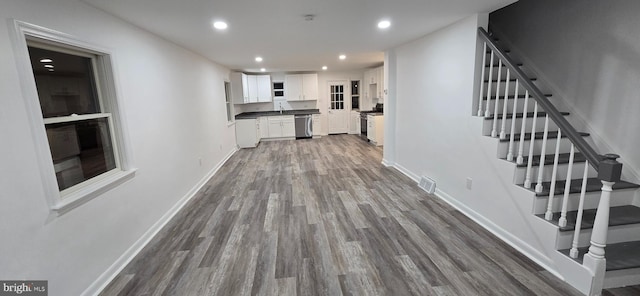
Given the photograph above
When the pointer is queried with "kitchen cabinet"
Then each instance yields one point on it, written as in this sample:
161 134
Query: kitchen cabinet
354 123
301 87
375 129
247 133
281 126
263 124
316 125
250 88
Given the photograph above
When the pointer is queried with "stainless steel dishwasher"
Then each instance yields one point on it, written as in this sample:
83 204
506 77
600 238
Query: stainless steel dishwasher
304 126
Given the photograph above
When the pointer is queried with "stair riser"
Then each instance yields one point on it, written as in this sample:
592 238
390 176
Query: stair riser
578 171
620 198
565 147
622 278
616 234
488 125
510 102
512 87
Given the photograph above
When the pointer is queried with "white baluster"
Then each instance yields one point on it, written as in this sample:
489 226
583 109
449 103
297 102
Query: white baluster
567 188
505 106
487 113
576 233
549 214
542 156
484 65
513 122
494 131
520 158
527 179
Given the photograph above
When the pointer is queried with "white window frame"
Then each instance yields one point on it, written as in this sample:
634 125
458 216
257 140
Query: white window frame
61 202
228 100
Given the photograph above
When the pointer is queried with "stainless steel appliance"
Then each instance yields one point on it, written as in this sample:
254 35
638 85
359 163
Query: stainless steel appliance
363 125
304 126
379 108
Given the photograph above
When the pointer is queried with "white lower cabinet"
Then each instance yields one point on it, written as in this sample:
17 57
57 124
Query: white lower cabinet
375 129
264 127
354 123
247 134
281 126
316 125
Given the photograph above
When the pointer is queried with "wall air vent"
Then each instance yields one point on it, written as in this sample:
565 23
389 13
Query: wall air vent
427 184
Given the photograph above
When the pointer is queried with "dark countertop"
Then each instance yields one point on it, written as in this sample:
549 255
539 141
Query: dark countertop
252 115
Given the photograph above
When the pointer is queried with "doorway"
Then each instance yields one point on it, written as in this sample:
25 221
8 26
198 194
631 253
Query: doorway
338 111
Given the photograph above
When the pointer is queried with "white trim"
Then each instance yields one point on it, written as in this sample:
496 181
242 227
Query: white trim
106 277
21 34
74 118
487 224
91 189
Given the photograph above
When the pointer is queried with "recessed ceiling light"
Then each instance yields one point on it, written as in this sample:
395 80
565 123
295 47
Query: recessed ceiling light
258 59
342 57
48 66
324 67
46 60
220 25
263 69
384 24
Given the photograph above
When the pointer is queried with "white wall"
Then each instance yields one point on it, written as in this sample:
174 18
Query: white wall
587 52
174 112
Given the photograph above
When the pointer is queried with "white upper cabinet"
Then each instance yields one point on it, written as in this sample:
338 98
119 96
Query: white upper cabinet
250 88
264 88
301 87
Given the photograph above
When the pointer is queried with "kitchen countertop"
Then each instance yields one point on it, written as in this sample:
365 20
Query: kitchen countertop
252 115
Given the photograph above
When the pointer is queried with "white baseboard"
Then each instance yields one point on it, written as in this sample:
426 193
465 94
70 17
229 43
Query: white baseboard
105 278
487 224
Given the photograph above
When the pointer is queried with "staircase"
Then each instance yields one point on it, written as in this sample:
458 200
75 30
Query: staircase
573 188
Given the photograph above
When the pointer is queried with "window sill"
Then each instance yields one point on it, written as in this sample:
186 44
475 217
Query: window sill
87 193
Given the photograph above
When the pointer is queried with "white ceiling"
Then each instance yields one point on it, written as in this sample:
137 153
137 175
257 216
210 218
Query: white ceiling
277 31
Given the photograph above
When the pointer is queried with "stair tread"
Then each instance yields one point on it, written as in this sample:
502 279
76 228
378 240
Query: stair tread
519 115
593 184
513 97
540 135
618 216
549 158
619 256
510 80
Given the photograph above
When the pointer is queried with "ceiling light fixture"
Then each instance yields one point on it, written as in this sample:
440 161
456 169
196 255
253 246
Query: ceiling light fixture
384 24
324 67
48 66
258 59
46 60
220 25
342 57
263 69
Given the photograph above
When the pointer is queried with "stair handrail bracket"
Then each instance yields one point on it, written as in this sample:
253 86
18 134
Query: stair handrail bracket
609 170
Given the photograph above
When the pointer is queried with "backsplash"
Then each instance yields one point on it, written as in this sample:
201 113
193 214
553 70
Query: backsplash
275 106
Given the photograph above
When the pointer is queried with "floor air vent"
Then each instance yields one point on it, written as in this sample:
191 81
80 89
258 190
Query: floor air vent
428 184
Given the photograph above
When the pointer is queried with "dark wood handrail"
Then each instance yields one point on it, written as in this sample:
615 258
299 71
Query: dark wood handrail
567 129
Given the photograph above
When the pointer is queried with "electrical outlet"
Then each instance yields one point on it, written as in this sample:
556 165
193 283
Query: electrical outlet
469 183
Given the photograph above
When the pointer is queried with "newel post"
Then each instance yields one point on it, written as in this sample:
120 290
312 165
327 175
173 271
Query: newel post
609 172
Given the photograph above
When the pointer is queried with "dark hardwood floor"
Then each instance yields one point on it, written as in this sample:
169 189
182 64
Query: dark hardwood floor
324 217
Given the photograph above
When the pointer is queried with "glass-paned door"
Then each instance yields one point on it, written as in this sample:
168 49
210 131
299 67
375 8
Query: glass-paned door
337 97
